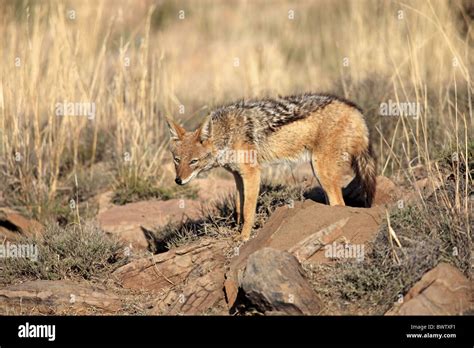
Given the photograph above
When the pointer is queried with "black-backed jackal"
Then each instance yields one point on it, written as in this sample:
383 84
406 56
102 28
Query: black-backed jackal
244 135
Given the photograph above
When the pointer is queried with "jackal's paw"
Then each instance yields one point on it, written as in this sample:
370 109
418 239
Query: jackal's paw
241 238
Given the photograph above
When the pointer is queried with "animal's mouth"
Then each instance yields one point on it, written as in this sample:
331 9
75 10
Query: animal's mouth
188 179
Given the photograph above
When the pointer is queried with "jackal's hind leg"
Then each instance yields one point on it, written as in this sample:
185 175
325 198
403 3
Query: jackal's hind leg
329 174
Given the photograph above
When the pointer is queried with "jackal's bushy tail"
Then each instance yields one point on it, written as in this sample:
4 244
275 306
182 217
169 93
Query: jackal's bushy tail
365 168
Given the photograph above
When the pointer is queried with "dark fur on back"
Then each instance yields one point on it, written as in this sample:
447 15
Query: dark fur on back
269 114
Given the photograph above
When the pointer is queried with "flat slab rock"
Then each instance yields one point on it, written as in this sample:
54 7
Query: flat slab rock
57 297
442 291
125 221
187 280
273 282
14 226
387 192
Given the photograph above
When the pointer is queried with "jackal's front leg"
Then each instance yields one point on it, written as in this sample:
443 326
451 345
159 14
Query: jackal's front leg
251 183
239 197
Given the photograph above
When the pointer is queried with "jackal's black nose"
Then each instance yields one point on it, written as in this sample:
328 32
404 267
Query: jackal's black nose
178 181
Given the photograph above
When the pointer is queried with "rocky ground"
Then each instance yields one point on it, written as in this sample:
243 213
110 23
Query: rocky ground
305 257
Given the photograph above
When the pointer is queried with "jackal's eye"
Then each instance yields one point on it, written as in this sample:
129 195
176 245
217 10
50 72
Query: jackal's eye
193 162
176 160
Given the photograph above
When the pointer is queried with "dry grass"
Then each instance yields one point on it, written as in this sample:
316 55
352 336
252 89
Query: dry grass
139 61
138 189
73 252
219 221
430 231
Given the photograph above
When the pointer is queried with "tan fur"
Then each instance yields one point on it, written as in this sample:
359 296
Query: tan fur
332 130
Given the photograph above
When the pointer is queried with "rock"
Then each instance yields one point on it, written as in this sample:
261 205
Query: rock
425 187
14 226
387 192
126 221
442 291
425 182
56 297
307 247
305 230
188 279
273 282
203 295
136 223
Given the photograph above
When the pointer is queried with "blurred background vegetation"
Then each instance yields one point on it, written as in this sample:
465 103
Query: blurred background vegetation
141 60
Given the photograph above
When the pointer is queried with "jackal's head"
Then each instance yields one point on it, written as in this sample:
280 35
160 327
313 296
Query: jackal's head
192 151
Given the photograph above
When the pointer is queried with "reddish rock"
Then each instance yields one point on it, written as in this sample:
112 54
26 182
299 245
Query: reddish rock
387 192
305 230
57 297
14 226
187 280
442 291
273 282
126 221
425 188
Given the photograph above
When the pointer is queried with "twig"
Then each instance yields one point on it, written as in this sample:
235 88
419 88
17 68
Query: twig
158 271
391 236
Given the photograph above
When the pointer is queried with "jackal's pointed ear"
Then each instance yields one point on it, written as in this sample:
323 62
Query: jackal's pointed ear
205 131
176 131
